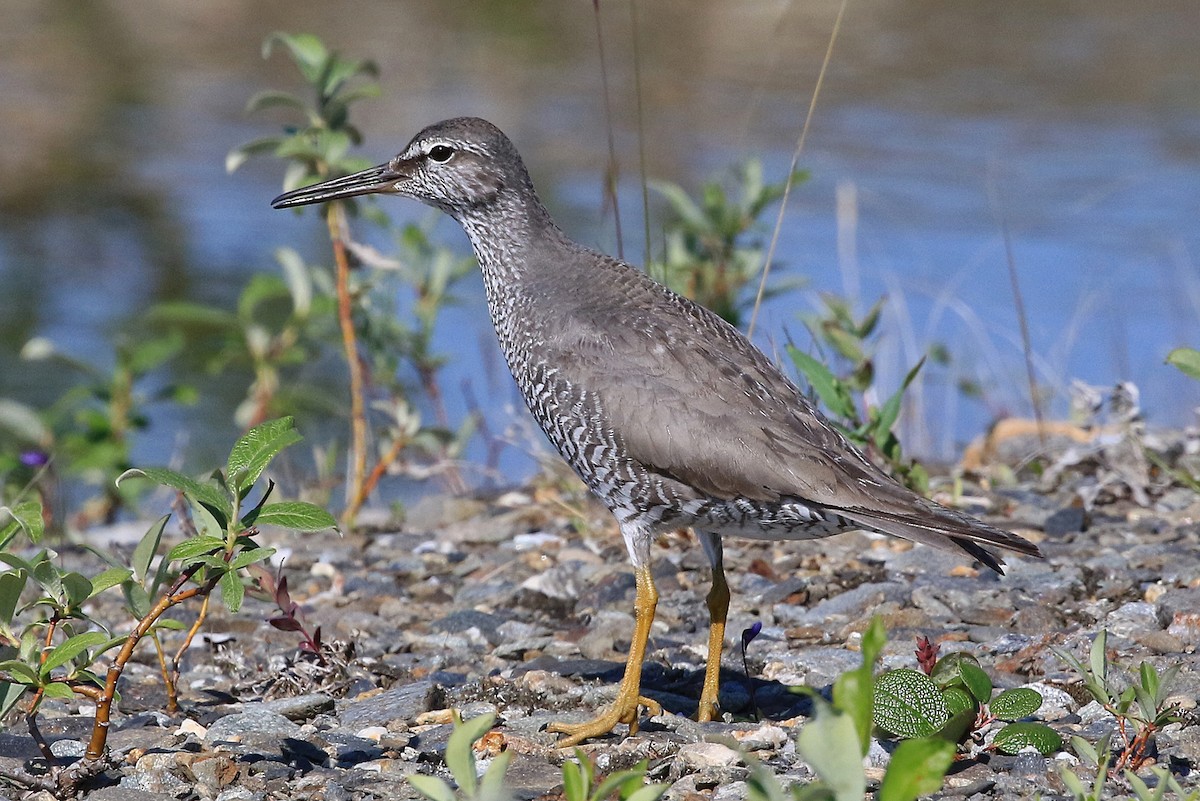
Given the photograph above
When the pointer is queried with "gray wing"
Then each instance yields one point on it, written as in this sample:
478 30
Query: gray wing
692 400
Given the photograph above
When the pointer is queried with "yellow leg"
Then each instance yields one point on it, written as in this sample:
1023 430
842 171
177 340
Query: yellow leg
625 708
718 609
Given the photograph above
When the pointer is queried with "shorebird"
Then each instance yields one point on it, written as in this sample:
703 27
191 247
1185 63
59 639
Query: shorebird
668 413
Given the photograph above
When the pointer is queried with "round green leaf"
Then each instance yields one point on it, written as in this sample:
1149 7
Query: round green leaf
957 700
908 704
964 670
1017 703
1015 736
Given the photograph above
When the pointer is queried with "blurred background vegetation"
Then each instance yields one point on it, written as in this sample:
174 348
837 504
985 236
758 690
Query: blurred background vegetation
940 124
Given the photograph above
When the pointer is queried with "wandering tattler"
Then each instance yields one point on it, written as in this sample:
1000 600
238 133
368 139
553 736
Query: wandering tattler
668 414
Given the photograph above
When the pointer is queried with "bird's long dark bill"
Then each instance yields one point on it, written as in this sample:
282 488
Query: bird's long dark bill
377 179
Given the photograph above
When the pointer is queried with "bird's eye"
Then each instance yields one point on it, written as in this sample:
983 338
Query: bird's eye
441 153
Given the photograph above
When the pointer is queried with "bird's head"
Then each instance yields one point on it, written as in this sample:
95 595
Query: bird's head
456 165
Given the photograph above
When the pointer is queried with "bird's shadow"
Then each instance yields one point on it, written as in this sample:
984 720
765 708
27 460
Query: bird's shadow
678 690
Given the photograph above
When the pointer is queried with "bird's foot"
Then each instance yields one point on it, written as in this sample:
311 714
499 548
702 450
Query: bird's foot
623 710
708 711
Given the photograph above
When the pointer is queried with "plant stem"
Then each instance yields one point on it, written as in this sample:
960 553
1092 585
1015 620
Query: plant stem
355 496
170 598
173 684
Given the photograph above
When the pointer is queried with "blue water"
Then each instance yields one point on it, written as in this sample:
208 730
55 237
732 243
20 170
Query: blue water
1076 127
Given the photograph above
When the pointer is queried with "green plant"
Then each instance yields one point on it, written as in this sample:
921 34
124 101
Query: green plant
1187 360
374 339
846 395
52 646
89 430
460 760
579 782
1139 707
1099 758
952 698
269 331
836 740
706 256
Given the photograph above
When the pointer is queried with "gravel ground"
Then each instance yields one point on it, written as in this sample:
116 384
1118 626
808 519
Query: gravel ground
522 605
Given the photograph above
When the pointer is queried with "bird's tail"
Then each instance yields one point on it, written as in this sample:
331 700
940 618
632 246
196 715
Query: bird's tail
944 528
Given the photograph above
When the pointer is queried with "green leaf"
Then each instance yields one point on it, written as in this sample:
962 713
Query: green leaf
109 578
147 546
77 588
829 389
70 649
185 313
1098 656
572 778
12 582
147 354
307 51
253 452
27 514
296 515
460 759
830 745
12 560
853 690
169 624
908 704
957 700
188 550
1015 736
1073 783
432 787
16 669
613 781
233 591
1019 702
60 690
137 598
270 99
891 409
651 792
204 493
48 576
249 557
491 786
1187 360
918 768
963 669
10 694
959 725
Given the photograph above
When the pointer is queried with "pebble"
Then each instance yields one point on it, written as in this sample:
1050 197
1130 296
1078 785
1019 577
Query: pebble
704 756
525 612
401 703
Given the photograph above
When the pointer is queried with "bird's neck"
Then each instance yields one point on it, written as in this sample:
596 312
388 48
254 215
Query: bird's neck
506 235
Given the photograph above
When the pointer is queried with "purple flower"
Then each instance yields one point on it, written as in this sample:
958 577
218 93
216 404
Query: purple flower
34 458
749 634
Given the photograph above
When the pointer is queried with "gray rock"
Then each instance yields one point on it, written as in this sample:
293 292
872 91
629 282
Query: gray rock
853 604
400 703
254 722
1133 618
301 707
462 620
156 773
124 793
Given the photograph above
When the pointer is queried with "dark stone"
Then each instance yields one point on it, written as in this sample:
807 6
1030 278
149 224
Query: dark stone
401 703
1065 521
464 619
